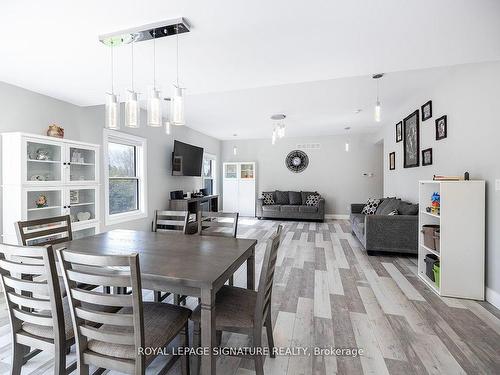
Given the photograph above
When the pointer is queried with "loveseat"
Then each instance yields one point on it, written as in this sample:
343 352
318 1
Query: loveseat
291 205
393 227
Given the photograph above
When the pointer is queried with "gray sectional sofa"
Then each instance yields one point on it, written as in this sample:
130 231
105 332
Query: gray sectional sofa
291 205
384 232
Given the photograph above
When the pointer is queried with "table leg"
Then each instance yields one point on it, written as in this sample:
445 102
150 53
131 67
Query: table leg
251 271
208 331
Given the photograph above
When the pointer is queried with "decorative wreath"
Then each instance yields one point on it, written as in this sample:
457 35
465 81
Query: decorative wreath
297 161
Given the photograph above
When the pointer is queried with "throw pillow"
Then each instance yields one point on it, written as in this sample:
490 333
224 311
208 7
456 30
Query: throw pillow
268 198
313 200
406 208
282 197
393 212
306 194
387 205
295 197
371 206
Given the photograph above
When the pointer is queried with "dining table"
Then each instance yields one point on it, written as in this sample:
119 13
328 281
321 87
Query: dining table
192 265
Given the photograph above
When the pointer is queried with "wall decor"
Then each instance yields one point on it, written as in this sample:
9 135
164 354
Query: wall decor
441 127
42 201
399 131
392 161
427 156
427 110
297 161
74 196
411 142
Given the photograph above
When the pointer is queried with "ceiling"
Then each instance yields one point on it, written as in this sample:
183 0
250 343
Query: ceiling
243 61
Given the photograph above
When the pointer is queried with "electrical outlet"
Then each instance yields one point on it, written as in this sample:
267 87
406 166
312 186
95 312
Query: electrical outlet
497 184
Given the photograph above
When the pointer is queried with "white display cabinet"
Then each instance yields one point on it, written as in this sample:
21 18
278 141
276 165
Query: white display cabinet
239 188
45 177
461 250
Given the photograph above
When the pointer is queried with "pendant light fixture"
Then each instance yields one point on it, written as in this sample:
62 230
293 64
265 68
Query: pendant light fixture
112 107
278 127
168 125
132 108
154 100
377 109
347 144
177 100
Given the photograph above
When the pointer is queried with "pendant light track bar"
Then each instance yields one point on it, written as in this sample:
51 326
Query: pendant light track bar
146 32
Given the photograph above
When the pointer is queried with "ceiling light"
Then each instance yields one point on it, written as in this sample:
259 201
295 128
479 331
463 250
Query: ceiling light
132 108
235 150
112 107
273 137
347 145
167 127
377 109
177 110
279 126
154 100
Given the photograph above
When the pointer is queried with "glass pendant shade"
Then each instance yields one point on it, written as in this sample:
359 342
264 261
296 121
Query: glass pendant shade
167 127
177 107
235 150
154 108
281 130
377 111
273 138
347 147
112 110
132 111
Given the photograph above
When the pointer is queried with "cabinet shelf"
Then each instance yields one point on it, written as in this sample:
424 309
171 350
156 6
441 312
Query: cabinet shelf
44 161
82 204
89 164
436 253
43 208
431 214
429 282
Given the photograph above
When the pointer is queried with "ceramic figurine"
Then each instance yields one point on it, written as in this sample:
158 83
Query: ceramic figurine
435 203
55 131
41 201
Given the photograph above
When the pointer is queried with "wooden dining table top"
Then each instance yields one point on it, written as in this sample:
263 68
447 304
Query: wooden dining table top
192 260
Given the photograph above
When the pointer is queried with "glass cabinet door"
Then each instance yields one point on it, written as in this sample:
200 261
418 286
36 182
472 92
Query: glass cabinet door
81 163
43 203
81 204
84 232
247 171
231 171
43 162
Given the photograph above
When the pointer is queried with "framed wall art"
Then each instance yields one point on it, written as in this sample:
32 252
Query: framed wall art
411 141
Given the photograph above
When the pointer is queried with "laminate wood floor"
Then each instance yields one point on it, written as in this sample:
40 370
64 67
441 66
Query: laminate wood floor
329 293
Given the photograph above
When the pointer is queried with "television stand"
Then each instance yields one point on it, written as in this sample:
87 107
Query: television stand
193 205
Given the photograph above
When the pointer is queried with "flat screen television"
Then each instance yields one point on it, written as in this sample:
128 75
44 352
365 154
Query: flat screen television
187 160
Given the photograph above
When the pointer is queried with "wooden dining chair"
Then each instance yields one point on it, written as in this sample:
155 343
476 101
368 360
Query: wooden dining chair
170 221
39 318
120 341
220 224
246 311
48 231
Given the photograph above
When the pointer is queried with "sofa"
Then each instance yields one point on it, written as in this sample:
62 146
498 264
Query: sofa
291 205
386 231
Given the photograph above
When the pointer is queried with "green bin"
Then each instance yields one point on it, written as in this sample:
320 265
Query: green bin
436 270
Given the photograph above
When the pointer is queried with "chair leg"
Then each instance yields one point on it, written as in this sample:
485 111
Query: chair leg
157 296
185 344
269 332
197 344
17 355
259 361
231 280
60 360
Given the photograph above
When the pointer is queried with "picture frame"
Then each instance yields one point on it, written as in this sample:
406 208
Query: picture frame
411 140
74 196
427 157
441 128
392 161
399 131
426 110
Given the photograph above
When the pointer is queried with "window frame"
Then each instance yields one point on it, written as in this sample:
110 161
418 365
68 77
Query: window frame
140 145
213 159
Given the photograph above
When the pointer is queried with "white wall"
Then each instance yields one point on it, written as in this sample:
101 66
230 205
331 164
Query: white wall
334 173
470 96
26 111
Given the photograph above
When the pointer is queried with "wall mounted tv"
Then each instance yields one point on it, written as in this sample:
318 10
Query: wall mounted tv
187 160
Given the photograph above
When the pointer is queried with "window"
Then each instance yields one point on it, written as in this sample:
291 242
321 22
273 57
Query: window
125 166
209 173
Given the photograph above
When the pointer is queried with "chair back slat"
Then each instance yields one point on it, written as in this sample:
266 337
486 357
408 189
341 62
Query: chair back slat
217 223
32 291
90 310
170 221
48 231
264 292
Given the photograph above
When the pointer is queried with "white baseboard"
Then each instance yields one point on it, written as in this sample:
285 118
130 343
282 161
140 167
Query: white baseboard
336 216
493 297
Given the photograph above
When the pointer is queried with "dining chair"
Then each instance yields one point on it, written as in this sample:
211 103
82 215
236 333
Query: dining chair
170 221
245 311
39 318
48 231
127 340
220 224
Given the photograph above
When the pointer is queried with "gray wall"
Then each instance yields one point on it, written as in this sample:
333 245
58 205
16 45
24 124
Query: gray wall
470 96
26 111
334 173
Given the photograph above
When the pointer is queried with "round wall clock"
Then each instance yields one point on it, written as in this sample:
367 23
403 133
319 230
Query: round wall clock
296 161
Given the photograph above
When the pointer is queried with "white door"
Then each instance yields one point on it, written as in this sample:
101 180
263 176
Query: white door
230 187
246 189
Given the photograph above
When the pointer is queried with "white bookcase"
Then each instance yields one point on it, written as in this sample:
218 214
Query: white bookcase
65 172
239 188
462 237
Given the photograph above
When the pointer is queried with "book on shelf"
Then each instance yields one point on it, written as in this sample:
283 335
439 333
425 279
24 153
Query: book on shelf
447 178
